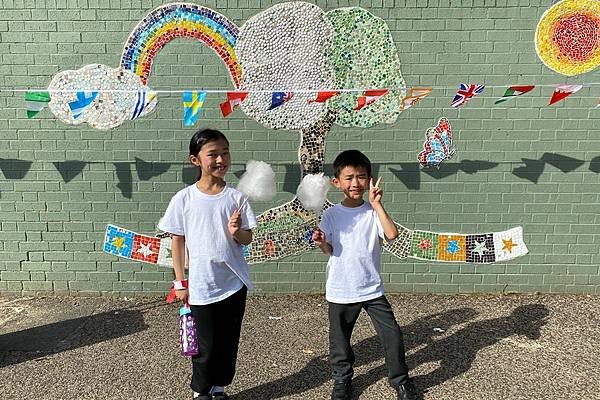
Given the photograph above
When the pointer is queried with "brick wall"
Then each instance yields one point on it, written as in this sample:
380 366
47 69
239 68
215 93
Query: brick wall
52 223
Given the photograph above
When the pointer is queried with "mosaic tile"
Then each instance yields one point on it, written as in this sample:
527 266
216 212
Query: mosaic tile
284 48
567 38
363 55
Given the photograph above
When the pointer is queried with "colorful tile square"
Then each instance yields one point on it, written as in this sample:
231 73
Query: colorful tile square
165 256
118 241
480 248
424 245
145 248
509 244
452 247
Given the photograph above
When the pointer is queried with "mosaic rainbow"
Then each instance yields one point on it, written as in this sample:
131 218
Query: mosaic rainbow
176 20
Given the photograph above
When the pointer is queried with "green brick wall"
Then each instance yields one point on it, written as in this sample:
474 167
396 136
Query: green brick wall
52 227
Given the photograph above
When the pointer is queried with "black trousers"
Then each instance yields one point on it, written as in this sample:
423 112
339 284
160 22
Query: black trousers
218 329
342 318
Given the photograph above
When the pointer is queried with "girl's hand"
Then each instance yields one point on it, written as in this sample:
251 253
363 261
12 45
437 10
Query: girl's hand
375 193
182 295
235 222
318 236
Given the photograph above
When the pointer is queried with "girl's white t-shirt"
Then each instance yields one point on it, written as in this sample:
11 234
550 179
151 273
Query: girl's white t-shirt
217 267
354 268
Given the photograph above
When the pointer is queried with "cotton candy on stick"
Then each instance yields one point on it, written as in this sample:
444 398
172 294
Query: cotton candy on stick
258 182
312 191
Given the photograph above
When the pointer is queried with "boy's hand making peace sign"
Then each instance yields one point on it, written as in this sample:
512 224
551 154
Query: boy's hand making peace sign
375 193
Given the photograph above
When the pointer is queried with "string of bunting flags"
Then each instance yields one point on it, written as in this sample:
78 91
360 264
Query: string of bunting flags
193 101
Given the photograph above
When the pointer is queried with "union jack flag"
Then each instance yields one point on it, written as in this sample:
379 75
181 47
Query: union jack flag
465 92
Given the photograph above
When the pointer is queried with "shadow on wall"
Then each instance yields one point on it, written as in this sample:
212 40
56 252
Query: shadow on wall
408 173
455 353
46 340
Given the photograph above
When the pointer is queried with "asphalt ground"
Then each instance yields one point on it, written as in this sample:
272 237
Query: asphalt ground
458 347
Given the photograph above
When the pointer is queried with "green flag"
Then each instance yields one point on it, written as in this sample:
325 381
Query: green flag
514 91
36 101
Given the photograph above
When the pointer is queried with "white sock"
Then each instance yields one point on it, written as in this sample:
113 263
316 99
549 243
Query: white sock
217 389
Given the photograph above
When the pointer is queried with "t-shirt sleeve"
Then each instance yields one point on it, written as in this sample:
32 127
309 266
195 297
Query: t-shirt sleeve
248 218
325 226
172 221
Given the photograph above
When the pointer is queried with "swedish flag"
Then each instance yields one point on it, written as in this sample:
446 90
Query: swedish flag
192 104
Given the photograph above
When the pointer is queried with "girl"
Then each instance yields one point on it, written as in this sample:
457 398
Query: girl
212 220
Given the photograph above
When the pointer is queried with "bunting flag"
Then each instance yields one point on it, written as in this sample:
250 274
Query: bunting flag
369 97
143 99
279 98
514 91
323 96
192 104
465 93
35 102
561 92
234 99
84 100
413 96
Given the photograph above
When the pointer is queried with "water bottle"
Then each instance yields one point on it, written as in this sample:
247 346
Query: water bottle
188 339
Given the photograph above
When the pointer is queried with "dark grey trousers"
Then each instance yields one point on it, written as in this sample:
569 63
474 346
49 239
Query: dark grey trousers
342 318
218 329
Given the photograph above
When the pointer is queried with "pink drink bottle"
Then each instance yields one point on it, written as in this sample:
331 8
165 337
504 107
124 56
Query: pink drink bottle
188 340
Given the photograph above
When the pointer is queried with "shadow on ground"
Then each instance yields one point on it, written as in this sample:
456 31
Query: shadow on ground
454 353
46 340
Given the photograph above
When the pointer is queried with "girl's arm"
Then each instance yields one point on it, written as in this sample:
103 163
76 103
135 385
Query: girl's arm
178 249
243 236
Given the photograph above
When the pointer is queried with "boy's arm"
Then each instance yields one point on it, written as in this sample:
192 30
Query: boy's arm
390 230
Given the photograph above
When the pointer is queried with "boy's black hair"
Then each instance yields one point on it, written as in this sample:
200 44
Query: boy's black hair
352 158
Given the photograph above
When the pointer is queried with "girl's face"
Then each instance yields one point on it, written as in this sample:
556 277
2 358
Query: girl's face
213 158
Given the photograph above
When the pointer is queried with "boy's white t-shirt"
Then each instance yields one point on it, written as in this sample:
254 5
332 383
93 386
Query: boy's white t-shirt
217 267
354 268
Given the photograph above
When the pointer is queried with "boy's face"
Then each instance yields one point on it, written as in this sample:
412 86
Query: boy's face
353 181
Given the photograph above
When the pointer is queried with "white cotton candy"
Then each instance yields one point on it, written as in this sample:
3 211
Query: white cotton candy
258 182
312 191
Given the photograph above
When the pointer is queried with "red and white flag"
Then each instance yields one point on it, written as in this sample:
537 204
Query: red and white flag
561 92
323 96
370 97
234 99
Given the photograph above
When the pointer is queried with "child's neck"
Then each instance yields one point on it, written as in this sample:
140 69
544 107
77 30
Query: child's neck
352 203
210 184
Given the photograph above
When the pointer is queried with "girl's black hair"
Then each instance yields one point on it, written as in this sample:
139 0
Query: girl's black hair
202 137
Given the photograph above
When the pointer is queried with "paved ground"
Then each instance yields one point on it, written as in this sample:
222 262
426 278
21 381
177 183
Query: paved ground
460 347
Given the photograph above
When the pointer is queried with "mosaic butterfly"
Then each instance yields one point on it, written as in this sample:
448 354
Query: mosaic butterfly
438 145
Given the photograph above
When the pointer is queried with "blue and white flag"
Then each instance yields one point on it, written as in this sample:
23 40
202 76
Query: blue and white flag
143 99
84 100
279 98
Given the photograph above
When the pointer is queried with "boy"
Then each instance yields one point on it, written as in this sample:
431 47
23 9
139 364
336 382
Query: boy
350 234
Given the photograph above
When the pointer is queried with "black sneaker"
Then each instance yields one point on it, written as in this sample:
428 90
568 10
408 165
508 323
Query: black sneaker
342 390
198 396
407 391
220 396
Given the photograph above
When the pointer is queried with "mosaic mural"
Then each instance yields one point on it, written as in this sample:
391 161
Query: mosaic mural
290 47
